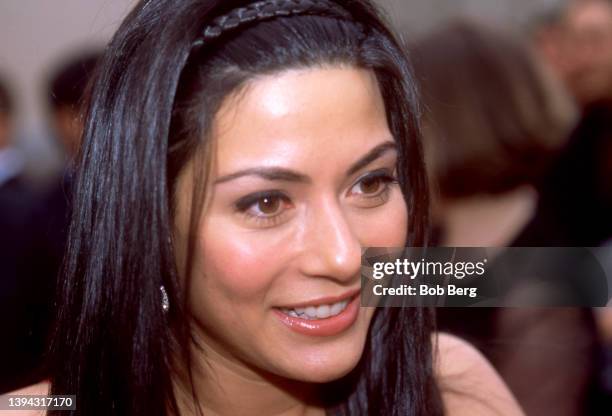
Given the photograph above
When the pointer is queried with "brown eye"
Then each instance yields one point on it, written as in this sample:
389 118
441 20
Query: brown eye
370 185
265 209
373 189
269 205
264 204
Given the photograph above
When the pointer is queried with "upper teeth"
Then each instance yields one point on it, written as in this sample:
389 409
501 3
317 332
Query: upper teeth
317 312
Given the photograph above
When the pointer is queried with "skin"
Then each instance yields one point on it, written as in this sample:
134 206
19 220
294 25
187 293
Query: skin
468 383
249 263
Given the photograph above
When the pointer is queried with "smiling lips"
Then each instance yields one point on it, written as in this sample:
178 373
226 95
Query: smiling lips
324 318
317 312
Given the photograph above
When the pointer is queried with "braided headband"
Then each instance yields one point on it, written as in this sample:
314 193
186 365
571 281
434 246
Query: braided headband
269 9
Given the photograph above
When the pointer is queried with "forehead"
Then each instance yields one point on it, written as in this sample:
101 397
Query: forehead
301 115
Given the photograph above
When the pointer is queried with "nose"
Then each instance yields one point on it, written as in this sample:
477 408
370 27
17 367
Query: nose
331 248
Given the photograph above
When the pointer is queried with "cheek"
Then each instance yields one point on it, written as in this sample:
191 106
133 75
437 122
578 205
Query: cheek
241 266
387 226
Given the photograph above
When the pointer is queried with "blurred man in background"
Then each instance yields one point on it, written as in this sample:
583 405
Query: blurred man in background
576 39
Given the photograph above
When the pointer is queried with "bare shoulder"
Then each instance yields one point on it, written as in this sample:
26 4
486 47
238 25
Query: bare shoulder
468 383
41 388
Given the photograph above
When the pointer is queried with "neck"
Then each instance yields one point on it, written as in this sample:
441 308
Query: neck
487 220
225 385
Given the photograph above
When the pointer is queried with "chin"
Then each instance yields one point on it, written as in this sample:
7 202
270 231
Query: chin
322 367
328 375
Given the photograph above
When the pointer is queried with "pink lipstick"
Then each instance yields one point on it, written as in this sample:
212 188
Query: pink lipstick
322 317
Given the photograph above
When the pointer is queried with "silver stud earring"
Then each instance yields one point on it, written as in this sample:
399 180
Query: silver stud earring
165 301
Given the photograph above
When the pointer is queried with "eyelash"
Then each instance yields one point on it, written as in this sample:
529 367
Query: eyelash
384 176
244 204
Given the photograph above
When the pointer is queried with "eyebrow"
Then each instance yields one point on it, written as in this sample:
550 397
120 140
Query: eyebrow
287 175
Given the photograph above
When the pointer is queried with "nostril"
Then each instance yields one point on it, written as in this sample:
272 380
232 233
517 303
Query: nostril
332 247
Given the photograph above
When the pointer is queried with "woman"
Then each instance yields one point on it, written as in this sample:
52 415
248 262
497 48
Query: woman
239 155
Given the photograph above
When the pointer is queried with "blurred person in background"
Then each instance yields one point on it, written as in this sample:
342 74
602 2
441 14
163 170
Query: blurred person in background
66 91
575 37
11 161
495 122
575 204
23 299
33 229
492 129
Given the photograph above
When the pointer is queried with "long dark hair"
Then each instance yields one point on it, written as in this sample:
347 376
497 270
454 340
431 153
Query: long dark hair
159 85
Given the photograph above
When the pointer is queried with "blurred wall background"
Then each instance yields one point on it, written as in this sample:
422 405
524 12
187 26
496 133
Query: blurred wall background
415 16
35 35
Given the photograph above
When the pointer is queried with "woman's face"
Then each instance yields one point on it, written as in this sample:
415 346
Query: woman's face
304 177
